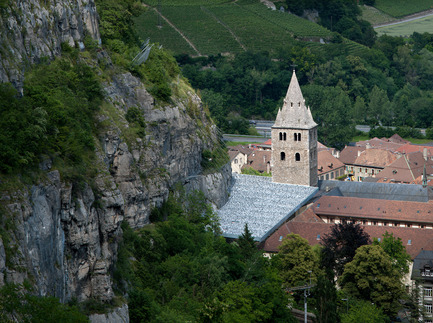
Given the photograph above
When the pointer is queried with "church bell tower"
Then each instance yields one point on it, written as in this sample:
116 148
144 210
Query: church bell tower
294 140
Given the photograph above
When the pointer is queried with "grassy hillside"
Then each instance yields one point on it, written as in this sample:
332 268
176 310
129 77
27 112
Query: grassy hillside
216 26
400 8
423 25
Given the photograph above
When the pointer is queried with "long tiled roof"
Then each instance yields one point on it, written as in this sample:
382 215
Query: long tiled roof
413 239
407 192
382 210
260 203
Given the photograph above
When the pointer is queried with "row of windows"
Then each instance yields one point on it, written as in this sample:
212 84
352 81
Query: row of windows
332 174
379 223
296 136
297 156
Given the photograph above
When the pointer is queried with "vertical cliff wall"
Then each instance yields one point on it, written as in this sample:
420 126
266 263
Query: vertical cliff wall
63 237
33 30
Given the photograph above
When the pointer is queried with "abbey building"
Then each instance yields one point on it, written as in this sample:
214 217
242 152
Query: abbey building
294 140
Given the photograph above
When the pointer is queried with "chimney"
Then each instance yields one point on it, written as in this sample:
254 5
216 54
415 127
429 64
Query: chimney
367 145
359 153
425 154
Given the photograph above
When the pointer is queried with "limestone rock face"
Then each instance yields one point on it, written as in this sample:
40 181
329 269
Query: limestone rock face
63 236
119 315
33 30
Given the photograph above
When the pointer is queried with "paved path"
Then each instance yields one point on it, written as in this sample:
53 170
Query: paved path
412 17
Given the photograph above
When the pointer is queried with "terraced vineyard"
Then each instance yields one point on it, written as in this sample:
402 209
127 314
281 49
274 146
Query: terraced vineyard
217 26
400 8
146 26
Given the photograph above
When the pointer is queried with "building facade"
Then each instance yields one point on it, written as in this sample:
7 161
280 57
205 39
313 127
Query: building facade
294 140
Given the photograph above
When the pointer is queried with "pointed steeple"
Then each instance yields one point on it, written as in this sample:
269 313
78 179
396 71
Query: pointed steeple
294 113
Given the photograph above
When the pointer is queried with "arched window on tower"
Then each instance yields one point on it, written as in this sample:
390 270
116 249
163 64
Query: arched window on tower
297 157
284 136
283 155
299 137
281 136
295 136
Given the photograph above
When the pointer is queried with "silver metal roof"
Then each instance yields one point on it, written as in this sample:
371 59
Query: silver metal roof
262 204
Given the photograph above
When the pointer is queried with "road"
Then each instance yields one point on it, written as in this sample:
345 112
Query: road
415 16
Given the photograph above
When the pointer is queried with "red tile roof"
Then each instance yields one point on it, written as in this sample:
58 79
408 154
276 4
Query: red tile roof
375 158
259 160
409 148
349 154
381 210
326 162
379 143
405 169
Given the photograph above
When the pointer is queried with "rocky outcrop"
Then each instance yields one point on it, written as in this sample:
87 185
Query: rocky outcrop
33 30
118 315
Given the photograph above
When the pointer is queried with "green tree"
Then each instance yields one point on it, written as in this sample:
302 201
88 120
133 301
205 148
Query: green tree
359 109
296 261
246 243
339 247
379 107
396 251
370 276
325 296
363 311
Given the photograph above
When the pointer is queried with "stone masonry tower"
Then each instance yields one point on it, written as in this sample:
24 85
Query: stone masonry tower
294 140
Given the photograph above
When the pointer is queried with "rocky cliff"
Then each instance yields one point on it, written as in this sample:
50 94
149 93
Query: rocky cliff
63 237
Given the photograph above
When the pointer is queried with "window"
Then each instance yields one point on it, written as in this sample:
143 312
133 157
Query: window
281 238
318 237
283 155
327 176
318 205
332 175
284 136
427 291
281 136
299 137
297 157
409 242
295 136
236 161
372 172
428 307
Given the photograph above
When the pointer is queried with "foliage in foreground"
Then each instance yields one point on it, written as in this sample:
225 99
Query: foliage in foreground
17 306
55 116
181 270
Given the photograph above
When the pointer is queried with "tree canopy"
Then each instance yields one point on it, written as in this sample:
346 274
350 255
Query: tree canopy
339 247
370 276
